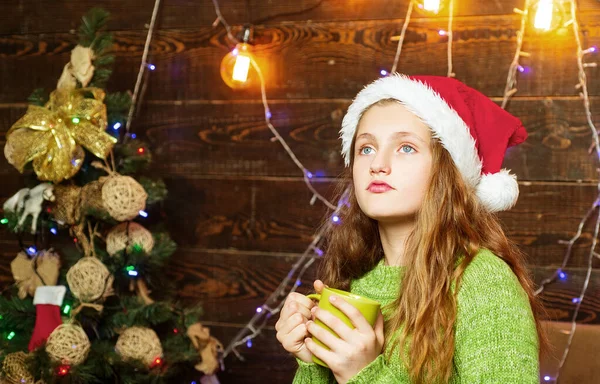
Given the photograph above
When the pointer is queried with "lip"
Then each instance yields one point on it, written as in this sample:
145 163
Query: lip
379 187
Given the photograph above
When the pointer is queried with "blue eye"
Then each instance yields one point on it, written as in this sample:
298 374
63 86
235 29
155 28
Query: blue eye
410 149
366 150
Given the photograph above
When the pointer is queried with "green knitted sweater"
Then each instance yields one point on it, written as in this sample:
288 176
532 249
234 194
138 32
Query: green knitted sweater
495 333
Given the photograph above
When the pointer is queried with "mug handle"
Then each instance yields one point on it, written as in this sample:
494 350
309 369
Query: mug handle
315 296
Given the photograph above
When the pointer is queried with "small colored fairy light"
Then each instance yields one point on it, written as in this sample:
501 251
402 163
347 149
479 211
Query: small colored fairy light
335 219
31 251
67 309
259 310
575 300
249 343
63 370
562 275
319 251
143 213
547 378
54 231
383 72
152 67
133 135
158 361
11 335
75 120
132 273
309 175
298 283
269 115
4 221
441 32
117 126
175 330
141 150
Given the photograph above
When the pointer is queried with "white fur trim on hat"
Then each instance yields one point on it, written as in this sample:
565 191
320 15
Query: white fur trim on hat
430 107
498 191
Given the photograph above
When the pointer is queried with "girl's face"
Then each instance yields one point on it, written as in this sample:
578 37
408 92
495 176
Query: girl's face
392 163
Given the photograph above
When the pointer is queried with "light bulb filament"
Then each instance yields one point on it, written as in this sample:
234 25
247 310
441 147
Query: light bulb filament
241 67
543 16
431 5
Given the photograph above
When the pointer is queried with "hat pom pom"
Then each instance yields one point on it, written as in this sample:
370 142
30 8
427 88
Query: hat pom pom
498 191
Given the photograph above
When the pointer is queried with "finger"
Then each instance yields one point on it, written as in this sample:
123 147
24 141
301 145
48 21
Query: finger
330 340
357 318
318 284
295 337
293 303
303 300
326 356
292 323
338 326
379 329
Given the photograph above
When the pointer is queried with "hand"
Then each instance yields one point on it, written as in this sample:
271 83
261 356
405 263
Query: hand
291 326
355 349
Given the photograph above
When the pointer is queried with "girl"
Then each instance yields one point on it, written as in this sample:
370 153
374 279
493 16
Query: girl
420 236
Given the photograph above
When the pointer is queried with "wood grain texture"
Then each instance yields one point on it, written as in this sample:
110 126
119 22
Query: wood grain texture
311 60
48 16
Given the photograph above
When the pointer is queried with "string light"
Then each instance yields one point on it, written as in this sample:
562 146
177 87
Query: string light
31 251
383 72
277 298
75 120
141 150
66 309
543 13
63 370
157 362
151 67
131 270
116 126
335 219
11 335
143 214
54 231
143 66
547 15
431 7
235 66
4 221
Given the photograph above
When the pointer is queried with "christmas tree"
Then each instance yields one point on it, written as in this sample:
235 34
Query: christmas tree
91 302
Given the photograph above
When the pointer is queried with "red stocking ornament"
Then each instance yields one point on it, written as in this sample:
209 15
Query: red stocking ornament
47 300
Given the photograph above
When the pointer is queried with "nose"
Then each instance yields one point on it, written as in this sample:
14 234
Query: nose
380 164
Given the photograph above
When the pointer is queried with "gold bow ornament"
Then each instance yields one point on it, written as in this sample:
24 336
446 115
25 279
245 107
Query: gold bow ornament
52 136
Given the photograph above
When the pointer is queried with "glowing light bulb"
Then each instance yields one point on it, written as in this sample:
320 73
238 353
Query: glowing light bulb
543 16
548 15
235 67
431 5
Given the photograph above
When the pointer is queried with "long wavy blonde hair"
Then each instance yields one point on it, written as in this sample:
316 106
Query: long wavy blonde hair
450 222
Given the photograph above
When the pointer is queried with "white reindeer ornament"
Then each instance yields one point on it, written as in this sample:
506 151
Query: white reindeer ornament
29 202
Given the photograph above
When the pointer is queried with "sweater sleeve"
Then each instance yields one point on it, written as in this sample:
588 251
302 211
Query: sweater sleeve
379 372
496 336
311 373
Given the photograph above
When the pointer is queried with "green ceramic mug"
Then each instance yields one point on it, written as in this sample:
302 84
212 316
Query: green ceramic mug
369 309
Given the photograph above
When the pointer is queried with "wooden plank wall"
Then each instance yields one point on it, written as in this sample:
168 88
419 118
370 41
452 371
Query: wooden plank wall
238 207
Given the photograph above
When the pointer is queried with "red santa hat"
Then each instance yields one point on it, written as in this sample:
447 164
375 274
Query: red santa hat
471 127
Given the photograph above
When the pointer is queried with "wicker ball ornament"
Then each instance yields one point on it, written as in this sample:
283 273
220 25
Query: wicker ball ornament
15 369
130 235
68 344
89 279
123 197
139 343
